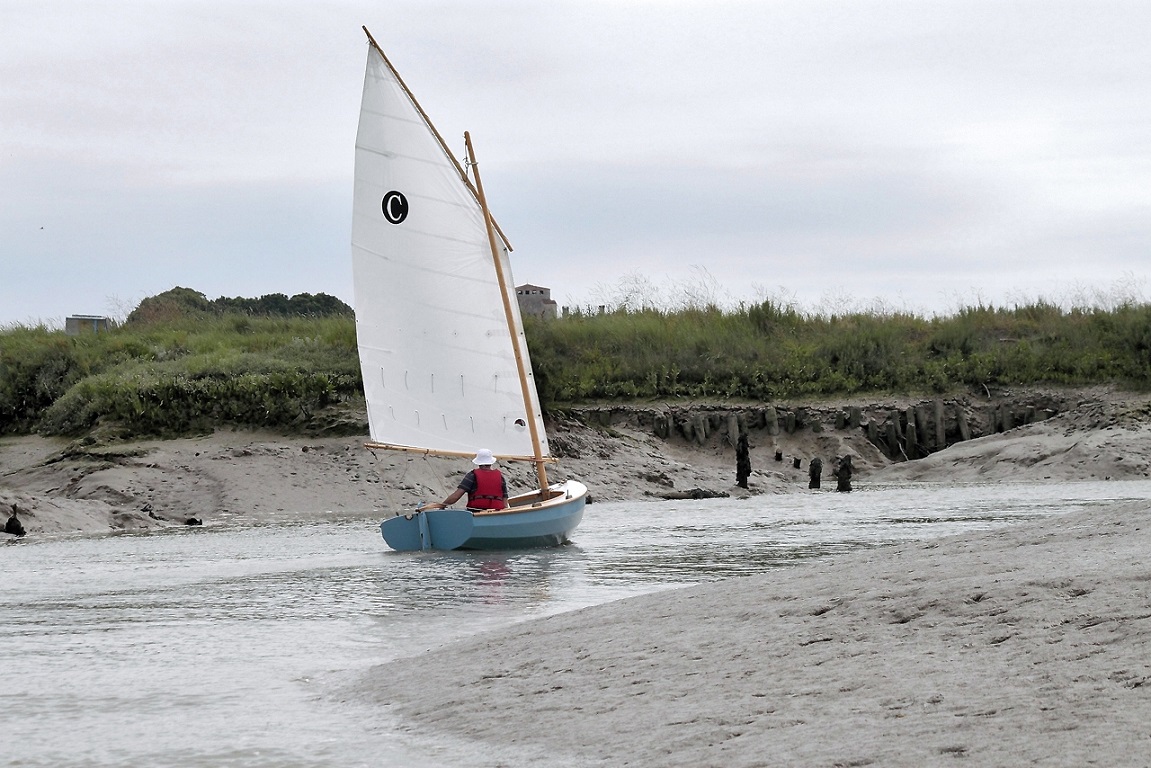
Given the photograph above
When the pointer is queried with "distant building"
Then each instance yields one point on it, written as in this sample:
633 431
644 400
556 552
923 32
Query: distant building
535 300
77 324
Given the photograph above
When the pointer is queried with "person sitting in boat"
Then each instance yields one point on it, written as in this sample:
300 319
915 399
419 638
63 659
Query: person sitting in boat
484 485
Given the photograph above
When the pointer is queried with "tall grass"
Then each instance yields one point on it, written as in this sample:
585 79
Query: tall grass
768 351
179 376
193 373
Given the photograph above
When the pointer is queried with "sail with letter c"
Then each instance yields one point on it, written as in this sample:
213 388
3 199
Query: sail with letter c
437 351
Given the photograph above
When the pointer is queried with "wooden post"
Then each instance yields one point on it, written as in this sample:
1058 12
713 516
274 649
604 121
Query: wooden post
685 427
940 426
699 426
771 420
922 424
742 460
517 338
892 435
1007 418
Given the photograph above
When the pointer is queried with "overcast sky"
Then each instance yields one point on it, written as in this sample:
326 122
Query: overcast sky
914 155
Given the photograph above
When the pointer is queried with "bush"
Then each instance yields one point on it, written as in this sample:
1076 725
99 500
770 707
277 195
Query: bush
199 369
164 378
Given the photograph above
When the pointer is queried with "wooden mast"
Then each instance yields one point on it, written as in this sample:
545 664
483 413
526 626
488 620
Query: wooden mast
515 333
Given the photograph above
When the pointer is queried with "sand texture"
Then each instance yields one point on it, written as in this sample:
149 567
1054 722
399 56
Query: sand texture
1030 645
1027 646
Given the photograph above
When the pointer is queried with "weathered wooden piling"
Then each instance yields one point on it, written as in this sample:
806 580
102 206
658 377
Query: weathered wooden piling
940 426
699 427
854 417
758 419
771 420
894 449
912 449
961 423
814 472
733 430
922 425
742 460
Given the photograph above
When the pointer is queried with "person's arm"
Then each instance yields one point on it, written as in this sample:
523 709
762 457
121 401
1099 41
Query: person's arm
447 502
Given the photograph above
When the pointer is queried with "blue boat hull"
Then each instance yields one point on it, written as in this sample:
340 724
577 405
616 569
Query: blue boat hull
528 522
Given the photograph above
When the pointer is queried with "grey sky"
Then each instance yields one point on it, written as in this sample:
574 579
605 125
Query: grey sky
912 155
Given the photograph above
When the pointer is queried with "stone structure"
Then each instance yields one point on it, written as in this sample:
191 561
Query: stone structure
536 301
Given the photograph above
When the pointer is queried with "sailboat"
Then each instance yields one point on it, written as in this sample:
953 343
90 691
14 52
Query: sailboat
442 350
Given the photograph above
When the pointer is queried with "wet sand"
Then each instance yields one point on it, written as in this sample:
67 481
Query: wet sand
1026 646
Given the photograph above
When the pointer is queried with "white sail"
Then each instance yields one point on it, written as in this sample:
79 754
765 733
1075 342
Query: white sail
437 351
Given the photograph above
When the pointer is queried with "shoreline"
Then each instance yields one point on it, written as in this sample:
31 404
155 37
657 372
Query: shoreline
238 477
1026 645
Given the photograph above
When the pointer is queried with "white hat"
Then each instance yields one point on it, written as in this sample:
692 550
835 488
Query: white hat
483 457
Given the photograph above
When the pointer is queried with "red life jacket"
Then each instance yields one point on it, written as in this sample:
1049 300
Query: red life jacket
489 491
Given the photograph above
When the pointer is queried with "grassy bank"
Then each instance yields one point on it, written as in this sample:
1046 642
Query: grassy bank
179 373
768 352
179 376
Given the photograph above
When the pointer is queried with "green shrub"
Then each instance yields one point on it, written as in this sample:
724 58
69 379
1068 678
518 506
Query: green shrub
199 368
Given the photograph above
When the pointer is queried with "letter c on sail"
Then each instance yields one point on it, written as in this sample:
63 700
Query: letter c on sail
395 207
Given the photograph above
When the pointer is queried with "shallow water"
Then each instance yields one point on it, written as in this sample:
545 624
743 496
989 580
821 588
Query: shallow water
229 646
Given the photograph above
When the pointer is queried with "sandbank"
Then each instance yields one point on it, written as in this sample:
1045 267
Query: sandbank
1026 646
